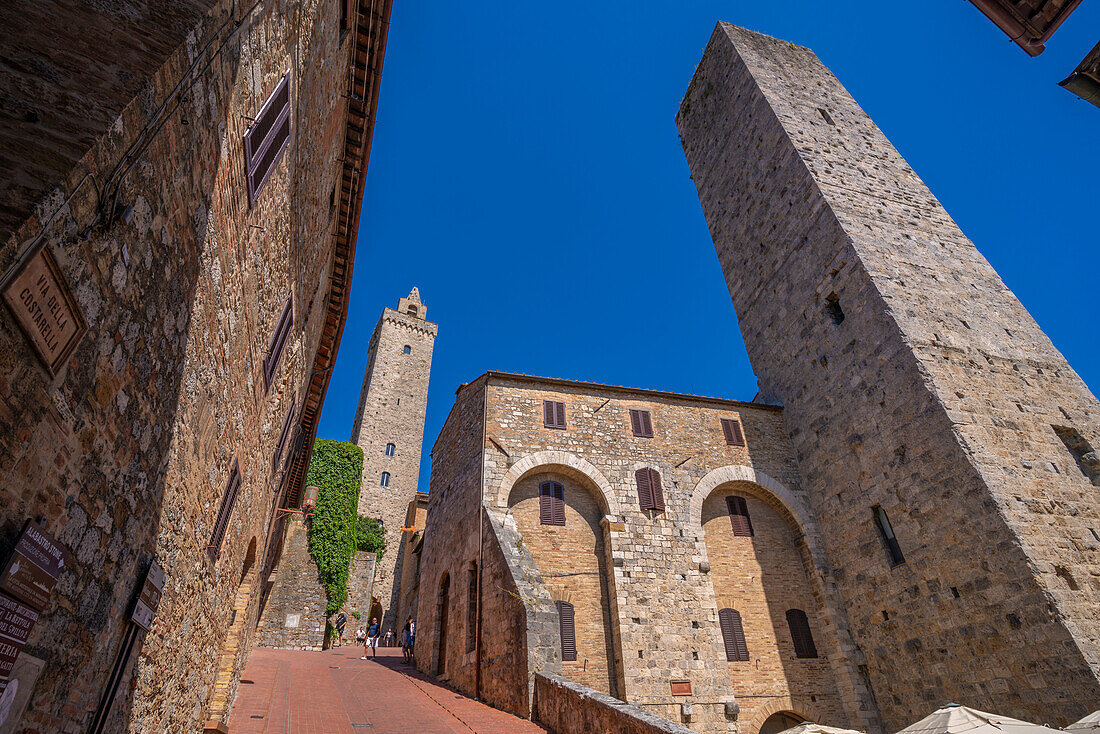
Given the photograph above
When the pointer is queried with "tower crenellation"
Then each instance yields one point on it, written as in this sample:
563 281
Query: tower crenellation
389 427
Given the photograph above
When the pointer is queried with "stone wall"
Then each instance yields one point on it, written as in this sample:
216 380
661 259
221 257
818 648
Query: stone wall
653 606
126 453
567 707
392 407
913 380
360 588
416 517
293 616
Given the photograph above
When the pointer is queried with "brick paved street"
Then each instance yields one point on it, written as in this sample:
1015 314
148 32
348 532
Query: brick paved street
334 692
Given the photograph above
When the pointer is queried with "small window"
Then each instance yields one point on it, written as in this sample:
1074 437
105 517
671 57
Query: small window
284 434
640 423
385 479
553 414
566 631
407 349
551 503
733 635
650 494
277 343
886 532
800 634
731 429
832 307
390 449
739 516
229 498
266 139
471 608
412 310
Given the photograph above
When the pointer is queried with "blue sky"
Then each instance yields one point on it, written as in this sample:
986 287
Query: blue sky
526 175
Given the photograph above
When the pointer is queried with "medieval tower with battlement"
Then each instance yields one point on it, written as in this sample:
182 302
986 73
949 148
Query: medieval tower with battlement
389 427
945 445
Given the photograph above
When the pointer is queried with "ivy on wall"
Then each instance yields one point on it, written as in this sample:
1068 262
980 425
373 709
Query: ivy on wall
370 536
336 469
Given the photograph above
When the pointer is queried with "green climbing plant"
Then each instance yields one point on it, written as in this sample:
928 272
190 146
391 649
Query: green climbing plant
336 469
370 536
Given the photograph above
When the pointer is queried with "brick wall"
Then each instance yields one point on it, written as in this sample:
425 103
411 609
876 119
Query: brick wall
935 397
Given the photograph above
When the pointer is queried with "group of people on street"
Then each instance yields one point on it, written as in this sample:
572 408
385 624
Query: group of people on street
370 638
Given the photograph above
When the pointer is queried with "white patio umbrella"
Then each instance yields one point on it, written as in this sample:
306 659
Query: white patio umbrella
956 719
1089 723
811 728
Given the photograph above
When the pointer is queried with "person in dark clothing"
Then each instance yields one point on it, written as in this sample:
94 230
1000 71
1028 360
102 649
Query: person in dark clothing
372 638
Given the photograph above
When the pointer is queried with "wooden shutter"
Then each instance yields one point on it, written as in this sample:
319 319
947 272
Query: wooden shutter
551 503
566 631
731 427
733 635
650 494
278 341
267 138
739 516
640 423
553 414
284 434
229 498
800 634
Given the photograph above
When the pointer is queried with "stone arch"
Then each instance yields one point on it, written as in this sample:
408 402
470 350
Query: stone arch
789 505
804 710
570 465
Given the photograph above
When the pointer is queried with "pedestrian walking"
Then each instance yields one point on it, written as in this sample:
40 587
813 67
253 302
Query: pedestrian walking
360 637
372 639
341 623
389 637
412 640
403 641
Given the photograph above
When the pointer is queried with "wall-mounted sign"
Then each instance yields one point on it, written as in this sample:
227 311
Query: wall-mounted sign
292 620
145 608
680 687
16 622
34 566
45 309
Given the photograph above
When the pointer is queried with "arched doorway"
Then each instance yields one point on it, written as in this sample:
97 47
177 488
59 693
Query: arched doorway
560 513
442 617
780 721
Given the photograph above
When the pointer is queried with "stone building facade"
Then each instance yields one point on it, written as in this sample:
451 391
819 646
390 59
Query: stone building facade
389 427
917 392
648 589
412 544
207 245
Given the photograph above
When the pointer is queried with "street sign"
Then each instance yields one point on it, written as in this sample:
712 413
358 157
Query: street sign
145 608
34 566
16 622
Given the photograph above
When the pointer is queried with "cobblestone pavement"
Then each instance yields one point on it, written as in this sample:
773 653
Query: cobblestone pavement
334 692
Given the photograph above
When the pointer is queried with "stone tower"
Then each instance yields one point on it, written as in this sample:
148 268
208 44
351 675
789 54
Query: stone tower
389 427
945 443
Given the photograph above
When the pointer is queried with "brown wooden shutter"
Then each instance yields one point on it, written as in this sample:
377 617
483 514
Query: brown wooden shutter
731 427
553 414
739 516
267 138
733 635
278 341
800 634
567 631
551 503
640 423
284 434
650 494
229 498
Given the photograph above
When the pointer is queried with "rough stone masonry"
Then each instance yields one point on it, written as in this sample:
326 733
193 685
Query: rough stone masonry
914 382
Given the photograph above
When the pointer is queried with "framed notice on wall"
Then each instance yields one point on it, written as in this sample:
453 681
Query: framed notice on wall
39 297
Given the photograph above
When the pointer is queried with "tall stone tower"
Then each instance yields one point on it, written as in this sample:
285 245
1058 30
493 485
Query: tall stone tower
946 444
389 427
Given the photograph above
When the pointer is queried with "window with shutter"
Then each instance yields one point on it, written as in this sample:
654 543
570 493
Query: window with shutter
551 503
566 631
739 516
733 635
277 342
886 532
267 138
471 608
284 434
553 414
229 498
731 428
800 634
650 494
640 423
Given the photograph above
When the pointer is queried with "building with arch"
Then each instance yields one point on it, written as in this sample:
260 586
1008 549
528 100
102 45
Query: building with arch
653 546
